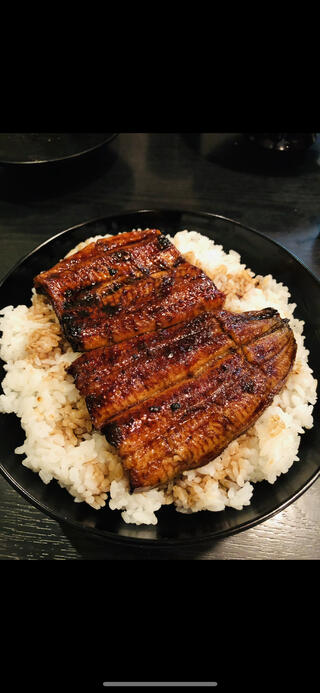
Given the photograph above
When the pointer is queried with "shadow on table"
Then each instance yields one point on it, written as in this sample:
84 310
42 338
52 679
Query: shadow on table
93 548
36 181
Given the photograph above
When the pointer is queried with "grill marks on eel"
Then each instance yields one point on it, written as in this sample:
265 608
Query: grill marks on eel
164 299
117 288
213 409
167 375
113 379
173 400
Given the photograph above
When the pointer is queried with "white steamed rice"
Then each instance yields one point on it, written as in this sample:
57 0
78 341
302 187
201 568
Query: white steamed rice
60 443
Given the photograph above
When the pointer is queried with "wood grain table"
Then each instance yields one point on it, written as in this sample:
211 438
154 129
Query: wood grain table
208 172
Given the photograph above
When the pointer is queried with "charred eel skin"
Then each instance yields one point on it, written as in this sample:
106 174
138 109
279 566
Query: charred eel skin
117 288
173 399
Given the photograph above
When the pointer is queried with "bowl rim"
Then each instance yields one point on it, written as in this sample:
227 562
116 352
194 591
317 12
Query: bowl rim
57 159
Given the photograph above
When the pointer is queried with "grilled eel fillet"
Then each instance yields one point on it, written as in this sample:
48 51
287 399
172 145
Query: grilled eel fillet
173 399
123 286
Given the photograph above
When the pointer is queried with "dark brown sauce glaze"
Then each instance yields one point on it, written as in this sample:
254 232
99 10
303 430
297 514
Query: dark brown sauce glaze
168 375
192 422
144 306
129 285
139 255
114 378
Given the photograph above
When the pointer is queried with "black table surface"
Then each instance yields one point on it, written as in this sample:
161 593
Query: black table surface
219 173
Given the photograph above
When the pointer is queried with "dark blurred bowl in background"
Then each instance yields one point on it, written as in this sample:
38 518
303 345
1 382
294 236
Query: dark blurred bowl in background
283 142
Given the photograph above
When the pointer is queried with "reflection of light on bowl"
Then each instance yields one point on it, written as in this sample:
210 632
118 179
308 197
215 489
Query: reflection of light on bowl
143 533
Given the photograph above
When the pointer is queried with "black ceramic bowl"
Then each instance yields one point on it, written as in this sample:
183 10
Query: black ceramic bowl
263 256
25 148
